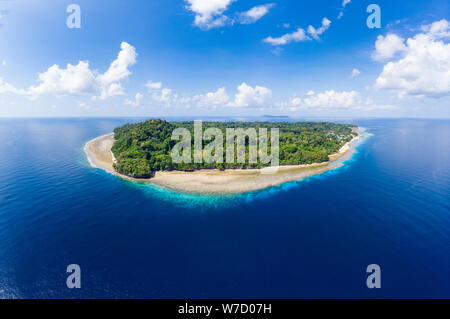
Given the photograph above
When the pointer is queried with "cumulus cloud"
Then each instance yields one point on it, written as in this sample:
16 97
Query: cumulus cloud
316 32
6 88
81 80
423 70
160 93
355 73
438 30
118 70
248 96
153 85
209 13
296 36
214 99
345 2
137 100
331 99
72 80
255 13
299 35
163 95
387 47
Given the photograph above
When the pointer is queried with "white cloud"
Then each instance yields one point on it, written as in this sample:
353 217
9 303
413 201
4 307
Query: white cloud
424 68
438 30
208 13
316 32
296 36
248 96
355 73
6 88
117 71
164 96
219 22
255 13
218 98
161 94
153 85
73 80
81 80
4 63
260 97
344 4
299 35
331 99
386 47
137 100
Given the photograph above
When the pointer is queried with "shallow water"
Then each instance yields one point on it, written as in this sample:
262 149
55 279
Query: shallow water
388 204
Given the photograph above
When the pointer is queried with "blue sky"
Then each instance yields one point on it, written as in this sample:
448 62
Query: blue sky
225 57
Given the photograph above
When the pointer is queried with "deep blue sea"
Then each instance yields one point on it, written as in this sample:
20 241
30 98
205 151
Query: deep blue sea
388 205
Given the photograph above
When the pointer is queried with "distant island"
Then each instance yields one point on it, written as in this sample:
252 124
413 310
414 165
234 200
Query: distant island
142 152
276 116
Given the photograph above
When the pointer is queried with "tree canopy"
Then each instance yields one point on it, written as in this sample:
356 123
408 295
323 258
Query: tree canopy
144 148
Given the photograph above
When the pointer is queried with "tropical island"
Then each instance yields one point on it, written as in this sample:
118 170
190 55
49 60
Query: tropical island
142 152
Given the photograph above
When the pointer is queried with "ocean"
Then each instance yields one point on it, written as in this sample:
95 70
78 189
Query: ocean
389 204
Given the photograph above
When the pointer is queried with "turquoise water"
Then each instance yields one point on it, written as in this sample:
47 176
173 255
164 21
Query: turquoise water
388 204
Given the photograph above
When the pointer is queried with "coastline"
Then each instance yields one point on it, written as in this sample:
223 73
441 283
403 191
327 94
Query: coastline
213 181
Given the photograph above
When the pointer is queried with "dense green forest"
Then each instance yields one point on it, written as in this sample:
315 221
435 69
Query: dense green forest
143 148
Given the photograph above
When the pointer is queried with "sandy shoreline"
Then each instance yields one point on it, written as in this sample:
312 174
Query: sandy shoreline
99 155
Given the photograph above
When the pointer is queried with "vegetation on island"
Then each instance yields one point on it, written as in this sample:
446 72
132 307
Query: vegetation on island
143 148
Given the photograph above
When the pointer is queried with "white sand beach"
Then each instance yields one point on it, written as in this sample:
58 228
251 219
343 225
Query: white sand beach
99 155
